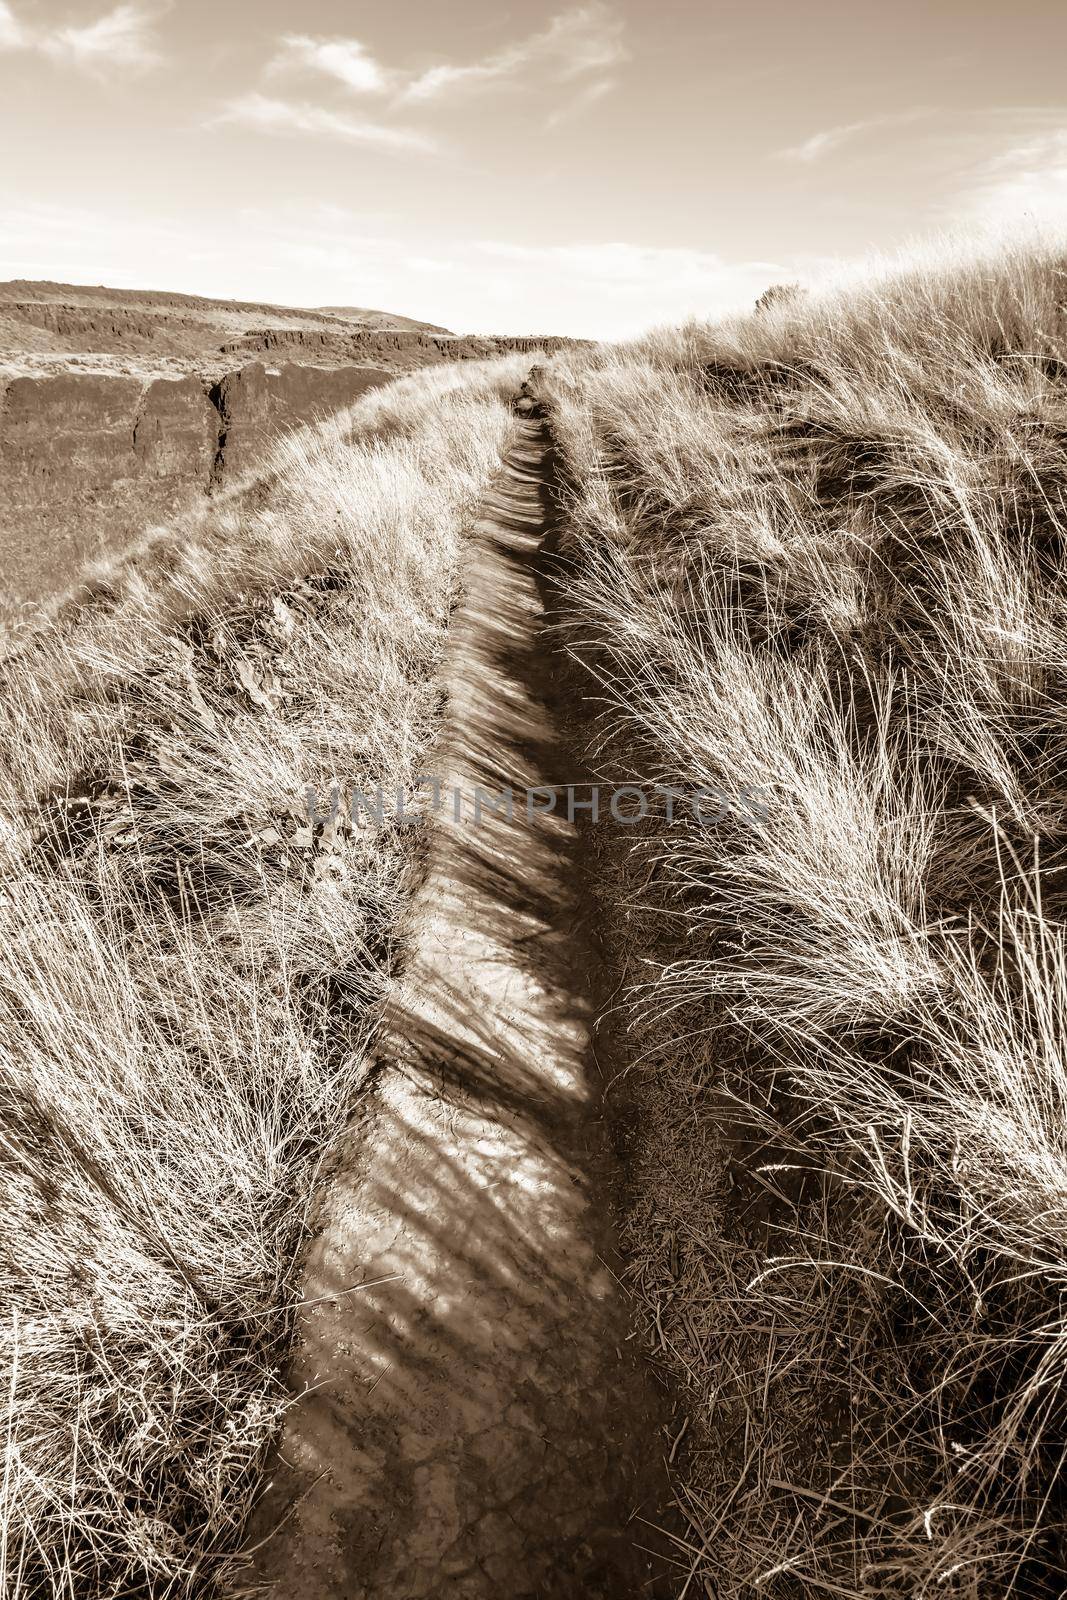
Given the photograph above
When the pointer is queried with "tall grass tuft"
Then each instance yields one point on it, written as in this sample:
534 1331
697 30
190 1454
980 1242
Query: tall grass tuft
821 549
190 966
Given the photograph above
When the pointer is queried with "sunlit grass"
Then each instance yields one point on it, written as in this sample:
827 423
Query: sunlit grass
821 548
189 971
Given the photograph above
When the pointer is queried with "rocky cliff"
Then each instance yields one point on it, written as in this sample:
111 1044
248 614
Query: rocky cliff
120 408
392 347
89 460
70 318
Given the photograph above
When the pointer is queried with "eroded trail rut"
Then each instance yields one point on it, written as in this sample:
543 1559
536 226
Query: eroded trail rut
476 1424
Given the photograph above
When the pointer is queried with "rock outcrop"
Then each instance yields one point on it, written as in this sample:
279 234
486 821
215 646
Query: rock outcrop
121 408
79 318
89 461
255 402
393 347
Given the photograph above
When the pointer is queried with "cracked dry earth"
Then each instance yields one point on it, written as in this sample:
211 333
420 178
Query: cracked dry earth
475 1421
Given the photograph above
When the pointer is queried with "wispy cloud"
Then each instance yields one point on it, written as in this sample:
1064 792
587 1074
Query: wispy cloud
619 288
589 39
287 116
598 289
575 45
828 140
582 101
586 39
122 39
620 262
12 33
347 60
571 59
1027 180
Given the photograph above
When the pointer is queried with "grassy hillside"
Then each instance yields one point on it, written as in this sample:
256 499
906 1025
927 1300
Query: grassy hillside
820 550
190 968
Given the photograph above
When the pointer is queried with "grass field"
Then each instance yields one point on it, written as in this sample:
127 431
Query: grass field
820 549
189 969
815 556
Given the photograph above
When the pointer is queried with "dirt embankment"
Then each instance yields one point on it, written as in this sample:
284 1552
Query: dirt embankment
471 1419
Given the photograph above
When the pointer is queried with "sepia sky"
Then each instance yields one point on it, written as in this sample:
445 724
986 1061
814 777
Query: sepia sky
591 169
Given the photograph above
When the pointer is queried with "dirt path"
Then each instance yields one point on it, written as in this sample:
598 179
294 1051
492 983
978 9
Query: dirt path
476 1425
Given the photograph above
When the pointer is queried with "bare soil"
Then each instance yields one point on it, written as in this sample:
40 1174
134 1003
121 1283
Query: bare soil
472 1417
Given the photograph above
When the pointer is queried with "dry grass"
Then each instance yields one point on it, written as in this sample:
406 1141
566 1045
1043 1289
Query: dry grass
821 549
189 971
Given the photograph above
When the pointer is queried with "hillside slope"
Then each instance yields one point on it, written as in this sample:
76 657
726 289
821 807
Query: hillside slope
814 572
45 318
192 968
45 327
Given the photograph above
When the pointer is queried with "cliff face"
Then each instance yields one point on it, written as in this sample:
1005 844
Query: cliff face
394 347
79 318
255 402
120 408
89 461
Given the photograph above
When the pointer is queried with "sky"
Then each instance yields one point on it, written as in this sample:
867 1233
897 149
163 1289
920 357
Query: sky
593 169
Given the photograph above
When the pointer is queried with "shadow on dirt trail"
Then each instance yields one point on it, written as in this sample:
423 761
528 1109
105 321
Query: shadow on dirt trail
476 1421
